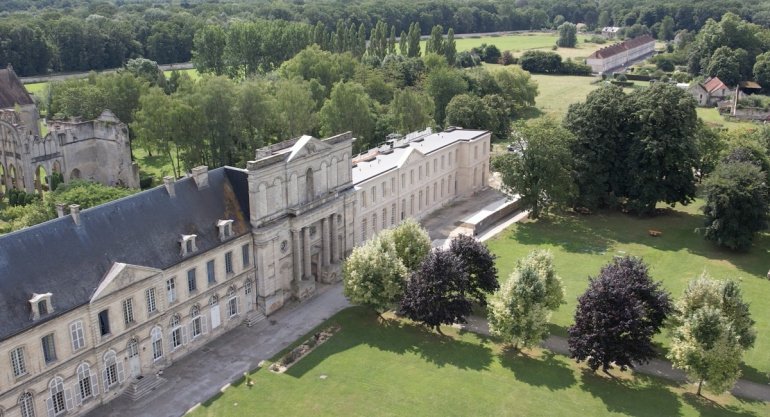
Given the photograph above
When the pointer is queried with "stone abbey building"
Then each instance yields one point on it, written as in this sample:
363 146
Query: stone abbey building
94 303
98 150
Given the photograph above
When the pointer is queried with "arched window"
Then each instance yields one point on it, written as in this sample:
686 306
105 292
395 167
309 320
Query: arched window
232 302
196 325
26 405
87 386
309 187
132 348
156 336
112 374
55 402
177 332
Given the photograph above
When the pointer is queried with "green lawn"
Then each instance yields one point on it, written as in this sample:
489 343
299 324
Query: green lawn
582 244
711 115
156 165
557 92
37 88
520 42
393 368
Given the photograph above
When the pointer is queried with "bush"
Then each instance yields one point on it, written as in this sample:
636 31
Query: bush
508 58
466 59
146 182
621 77
599 40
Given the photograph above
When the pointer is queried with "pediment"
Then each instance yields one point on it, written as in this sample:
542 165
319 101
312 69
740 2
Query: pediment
412 155
121 276
306 146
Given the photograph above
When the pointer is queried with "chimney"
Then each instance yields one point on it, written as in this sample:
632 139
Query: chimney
59 210
201 176
75 212
168 181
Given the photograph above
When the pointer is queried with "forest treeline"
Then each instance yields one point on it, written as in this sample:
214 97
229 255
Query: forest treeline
39 37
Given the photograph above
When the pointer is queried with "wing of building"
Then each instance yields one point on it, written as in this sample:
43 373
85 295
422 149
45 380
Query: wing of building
95 299
619 55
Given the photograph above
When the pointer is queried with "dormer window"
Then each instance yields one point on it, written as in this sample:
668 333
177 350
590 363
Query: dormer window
41 305
225 229
187 244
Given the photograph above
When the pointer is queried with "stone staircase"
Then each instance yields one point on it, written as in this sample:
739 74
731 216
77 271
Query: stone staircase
143 385
254 317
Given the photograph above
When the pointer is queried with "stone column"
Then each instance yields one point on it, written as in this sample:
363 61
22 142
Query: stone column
296 249
324 242
307 268
333 235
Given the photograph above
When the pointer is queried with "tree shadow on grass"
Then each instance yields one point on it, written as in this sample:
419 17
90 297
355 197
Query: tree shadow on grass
398 337
569 232
638 397
709 408
545 371
754 374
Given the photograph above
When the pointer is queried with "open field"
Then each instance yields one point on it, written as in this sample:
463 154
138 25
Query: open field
394 368
37 88
711 115
557 92
520 42
582 244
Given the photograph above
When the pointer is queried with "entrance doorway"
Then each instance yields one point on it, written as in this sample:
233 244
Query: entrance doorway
134 363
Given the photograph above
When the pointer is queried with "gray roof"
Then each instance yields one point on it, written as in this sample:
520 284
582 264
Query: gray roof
430 143
69 261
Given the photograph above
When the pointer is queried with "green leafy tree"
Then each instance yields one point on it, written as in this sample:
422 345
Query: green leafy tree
410 110
517 88
374 276
435 44
147 70
710 145
542 263
666 31
517 312
725 65
349 108
539 171
663 153
567 35
411 241
468 111
414 40
600 125
450 47
122 92
736 204
762 71
208 49
479 263
295 108
443 84
712 327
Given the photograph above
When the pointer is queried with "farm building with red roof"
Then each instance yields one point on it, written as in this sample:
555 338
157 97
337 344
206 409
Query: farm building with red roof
621 54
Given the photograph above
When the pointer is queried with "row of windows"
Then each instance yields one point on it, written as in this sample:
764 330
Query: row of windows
77 334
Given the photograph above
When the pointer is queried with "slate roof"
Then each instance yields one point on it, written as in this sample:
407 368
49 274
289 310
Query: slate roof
617 48
370 167
69 261
12 91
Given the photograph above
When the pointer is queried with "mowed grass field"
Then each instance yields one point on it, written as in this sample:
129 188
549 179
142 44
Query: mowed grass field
711 116
557 92
39 88
518 43
582 244
390 367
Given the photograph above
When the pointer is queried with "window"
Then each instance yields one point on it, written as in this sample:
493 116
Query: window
171 290
393 214
228 230
229 262
374 194
128 311
42 307
403 181
442 161
384 218
149 295
411 204
427 169
427 196
245 255
49 348
56 401
177 338
189 246
419 201
384 189
104 322
76 335
435 188
157 343
225 229
210 272
363 198
442 188
403 209
232 302
475 152
112 373
419 173
435 165
18 363
86 382
374 223
363 229
26 405
196 325
393 185
192 282
411 176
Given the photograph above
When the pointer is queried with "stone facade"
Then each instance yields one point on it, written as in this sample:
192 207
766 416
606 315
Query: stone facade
98 150
619 55
127 288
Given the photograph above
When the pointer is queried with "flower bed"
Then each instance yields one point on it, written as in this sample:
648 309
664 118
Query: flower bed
294 355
